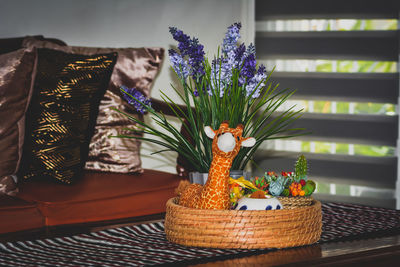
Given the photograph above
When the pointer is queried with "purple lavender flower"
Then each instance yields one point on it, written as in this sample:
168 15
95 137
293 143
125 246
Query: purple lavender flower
192 49
249 66
239 53
227 65
221 71
180 65
135 98
251 49
261 69
231 38
182 39
256 83
196 58
189 60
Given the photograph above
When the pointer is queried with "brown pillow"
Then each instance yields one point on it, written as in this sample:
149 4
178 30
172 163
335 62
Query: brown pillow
16 75
135 67
41 42
62 113
8 45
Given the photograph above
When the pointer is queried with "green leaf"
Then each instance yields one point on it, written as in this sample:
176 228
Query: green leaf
259 116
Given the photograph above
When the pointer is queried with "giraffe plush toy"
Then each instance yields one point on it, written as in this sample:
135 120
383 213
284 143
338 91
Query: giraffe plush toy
215 193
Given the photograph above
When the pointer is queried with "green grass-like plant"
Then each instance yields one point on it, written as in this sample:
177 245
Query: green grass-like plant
209 99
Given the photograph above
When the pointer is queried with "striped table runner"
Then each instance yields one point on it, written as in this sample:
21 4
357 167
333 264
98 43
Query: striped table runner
146 244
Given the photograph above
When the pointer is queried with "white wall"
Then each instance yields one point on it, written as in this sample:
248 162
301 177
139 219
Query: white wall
129 23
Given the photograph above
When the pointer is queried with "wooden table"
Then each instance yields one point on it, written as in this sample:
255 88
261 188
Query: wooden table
383 251
377 251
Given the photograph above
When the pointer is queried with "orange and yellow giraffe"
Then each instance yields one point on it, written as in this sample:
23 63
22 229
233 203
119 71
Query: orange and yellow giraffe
215 193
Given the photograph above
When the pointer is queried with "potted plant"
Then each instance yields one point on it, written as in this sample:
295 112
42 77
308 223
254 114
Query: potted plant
230 87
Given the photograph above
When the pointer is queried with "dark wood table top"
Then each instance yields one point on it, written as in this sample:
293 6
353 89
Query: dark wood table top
384 251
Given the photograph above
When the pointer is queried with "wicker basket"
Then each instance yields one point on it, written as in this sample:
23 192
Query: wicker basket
246 229
296 202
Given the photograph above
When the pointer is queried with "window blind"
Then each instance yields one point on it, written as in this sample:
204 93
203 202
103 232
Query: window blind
367 129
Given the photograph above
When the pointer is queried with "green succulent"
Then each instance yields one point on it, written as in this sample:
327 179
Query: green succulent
276 187
285 192
309 188
301 168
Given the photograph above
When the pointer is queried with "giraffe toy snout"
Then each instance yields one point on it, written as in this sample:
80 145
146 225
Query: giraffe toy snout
226 142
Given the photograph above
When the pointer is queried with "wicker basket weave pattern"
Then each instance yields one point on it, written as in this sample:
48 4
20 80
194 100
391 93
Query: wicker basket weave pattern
246 229
294 202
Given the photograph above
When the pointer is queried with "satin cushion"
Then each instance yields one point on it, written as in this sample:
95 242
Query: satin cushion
135 67
12 44
16 75
39 41
62 113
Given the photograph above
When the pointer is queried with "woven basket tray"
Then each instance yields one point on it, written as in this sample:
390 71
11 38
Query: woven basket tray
246 229
296 202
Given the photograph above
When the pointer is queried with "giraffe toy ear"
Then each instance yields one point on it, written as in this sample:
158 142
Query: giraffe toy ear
248 142
209 132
